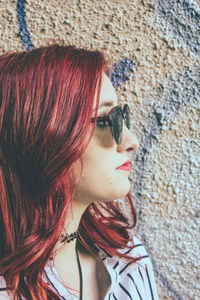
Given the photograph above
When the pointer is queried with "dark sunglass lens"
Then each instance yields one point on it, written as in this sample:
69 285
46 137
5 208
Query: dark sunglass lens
117 127
126 111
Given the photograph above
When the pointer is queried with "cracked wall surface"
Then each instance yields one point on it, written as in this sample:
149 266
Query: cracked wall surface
154 46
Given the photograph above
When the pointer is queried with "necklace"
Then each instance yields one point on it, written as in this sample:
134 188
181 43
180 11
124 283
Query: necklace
68 237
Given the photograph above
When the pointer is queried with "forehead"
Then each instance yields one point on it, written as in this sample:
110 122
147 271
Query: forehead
107 93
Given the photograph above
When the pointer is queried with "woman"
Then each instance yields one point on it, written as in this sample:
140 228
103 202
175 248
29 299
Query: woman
62 139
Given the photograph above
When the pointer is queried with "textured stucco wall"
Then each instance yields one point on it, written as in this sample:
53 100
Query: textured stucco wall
155 47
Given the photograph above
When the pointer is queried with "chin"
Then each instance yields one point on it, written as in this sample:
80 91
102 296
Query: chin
125 191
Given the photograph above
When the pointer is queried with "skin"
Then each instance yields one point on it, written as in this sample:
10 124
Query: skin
100 181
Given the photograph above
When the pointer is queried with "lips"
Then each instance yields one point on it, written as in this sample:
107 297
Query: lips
125 166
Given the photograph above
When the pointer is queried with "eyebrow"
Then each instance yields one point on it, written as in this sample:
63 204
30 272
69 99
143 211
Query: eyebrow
106 103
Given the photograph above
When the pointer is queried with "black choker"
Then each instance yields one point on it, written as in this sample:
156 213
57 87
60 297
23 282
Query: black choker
68 237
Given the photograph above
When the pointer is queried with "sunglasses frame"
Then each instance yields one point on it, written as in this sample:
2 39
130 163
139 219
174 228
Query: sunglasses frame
108 119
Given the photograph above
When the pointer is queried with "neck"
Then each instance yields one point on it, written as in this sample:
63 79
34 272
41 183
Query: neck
73 220
79 205
71 226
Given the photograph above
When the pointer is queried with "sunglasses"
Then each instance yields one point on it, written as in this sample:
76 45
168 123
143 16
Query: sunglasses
114 119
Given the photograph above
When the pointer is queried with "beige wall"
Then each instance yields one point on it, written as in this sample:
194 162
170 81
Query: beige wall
156 45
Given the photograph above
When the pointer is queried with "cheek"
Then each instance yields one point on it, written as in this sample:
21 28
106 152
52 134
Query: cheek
103 183
100 181
103 137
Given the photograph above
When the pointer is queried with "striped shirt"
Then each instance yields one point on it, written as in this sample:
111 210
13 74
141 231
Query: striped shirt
128 281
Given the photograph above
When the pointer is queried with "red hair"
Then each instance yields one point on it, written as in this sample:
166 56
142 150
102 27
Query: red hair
46 102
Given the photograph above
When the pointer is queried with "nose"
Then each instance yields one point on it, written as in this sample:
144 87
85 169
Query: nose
129 141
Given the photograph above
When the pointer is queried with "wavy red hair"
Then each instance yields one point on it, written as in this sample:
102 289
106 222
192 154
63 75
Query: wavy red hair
46 102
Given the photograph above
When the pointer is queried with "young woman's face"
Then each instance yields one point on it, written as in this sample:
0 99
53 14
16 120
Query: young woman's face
100 180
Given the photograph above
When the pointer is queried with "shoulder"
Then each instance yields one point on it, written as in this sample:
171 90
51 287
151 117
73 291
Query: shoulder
136 250
138 247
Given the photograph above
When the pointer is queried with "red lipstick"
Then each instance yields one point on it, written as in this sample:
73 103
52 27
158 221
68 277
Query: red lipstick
126 166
